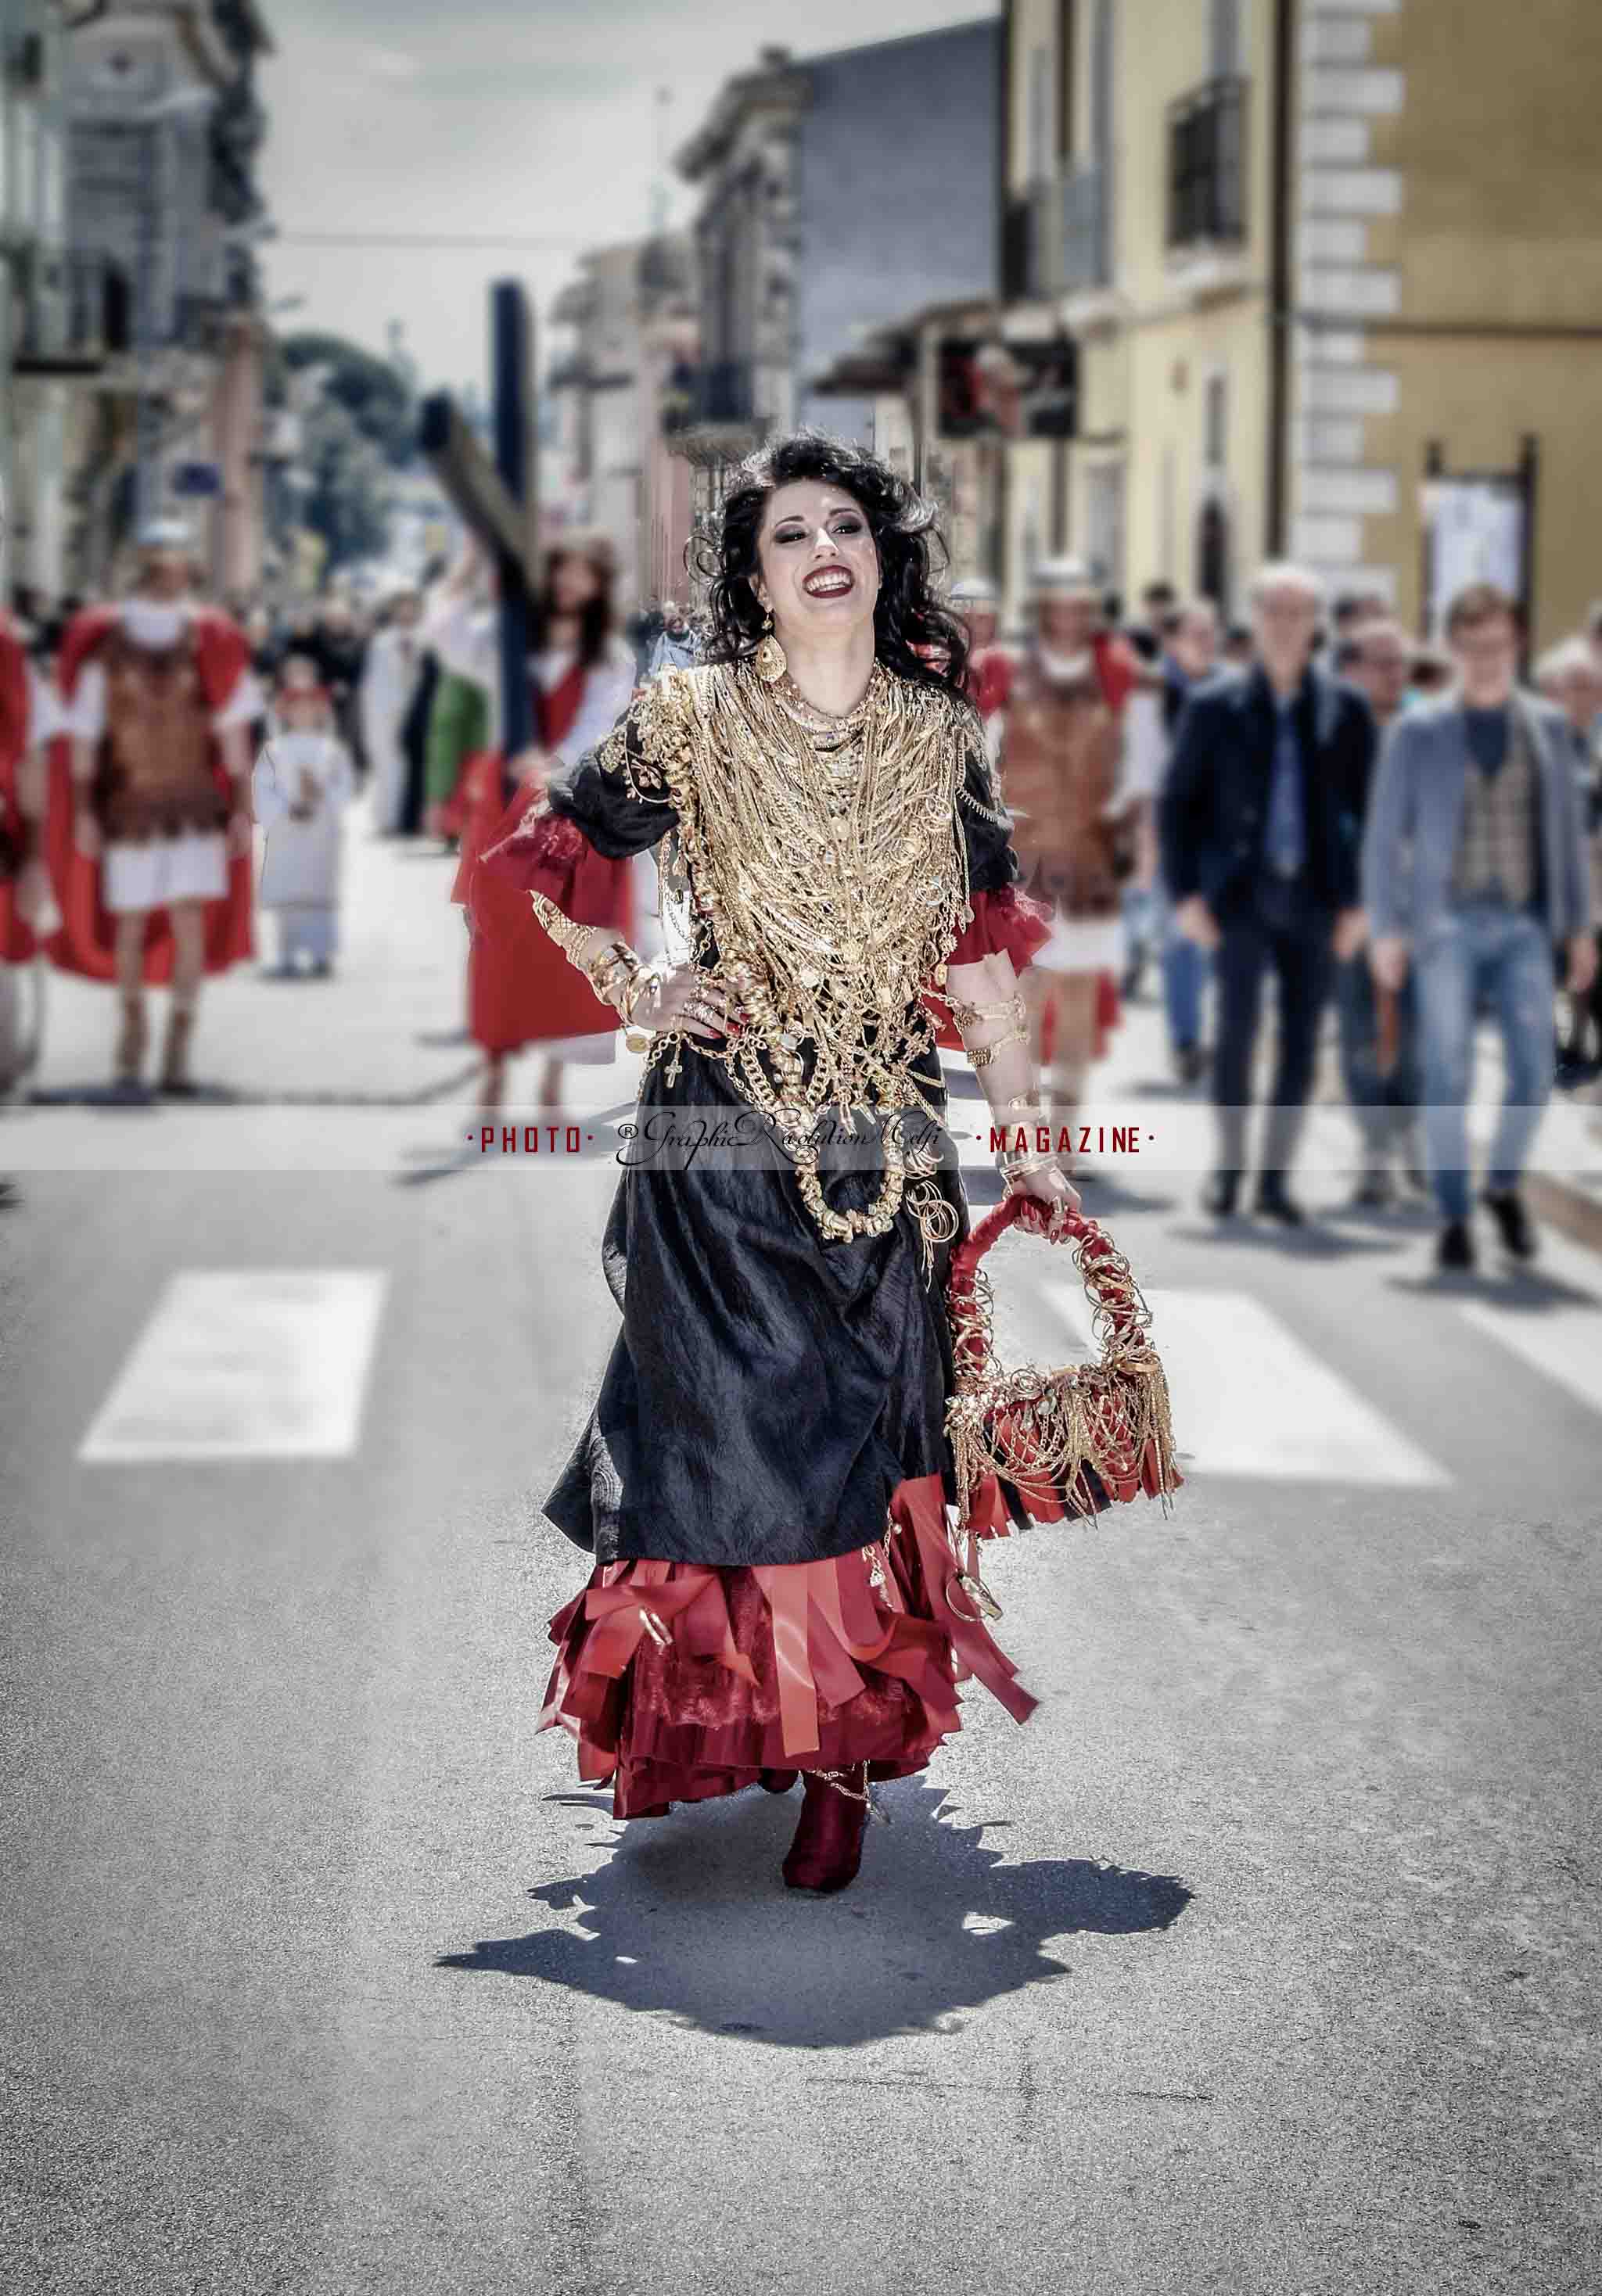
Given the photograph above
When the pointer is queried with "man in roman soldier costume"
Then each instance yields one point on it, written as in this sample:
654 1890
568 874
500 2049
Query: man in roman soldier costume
150 838
1074 706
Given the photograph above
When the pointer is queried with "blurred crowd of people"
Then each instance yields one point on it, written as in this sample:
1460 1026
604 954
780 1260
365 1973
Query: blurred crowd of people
1411 838
1399 839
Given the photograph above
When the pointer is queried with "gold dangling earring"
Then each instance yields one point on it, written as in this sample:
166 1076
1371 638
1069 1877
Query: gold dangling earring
770 660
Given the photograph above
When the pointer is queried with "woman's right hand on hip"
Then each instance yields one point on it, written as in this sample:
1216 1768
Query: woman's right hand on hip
699 1004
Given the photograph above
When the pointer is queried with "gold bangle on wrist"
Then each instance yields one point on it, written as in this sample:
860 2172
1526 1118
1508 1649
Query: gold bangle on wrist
1020 1166
571 939
969 1016
645 976
982 1055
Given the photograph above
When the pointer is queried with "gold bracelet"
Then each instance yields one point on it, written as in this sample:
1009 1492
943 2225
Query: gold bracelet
646 976
982 1055
1019 1168
571 939
968 1016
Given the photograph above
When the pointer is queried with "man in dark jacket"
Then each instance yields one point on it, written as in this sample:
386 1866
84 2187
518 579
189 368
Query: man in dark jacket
1262 824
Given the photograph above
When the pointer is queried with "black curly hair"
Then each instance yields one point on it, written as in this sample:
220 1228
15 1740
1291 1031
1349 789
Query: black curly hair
908 615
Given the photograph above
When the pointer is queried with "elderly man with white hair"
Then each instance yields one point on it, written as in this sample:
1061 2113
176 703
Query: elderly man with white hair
1261 821
678 647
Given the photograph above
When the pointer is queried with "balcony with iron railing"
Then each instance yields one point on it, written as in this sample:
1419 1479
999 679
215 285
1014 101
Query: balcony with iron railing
1057 236
1207 167
76 313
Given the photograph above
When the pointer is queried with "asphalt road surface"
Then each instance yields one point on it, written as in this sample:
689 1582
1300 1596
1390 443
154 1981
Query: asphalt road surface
1262 1960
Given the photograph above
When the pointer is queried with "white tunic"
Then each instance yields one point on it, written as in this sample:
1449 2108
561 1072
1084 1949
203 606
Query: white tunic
302 869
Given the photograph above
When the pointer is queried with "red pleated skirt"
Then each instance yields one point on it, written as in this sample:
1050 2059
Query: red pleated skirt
684 1680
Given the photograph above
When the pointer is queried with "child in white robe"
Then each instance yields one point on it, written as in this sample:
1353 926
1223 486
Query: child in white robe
303 781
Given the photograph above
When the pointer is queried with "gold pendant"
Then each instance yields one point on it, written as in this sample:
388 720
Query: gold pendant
769 661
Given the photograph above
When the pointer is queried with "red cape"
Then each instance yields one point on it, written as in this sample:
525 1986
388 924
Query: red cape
85 940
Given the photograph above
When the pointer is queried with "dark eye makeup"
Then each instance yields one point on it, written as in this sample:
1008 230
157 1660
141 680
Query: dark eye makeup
842 521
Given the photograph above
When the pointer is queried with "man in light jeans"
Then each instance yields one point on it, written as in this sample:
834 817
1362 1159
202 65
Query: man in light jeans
1473 859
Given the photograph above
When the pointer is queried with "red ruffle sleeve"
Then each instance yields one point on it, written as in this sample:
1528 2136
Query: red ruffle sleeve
1006 923
547 853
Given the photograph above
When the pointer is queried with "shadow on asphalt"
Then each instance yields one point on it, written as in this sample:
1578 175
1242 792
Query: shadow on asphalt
689 1918
1313 1242
1511 1286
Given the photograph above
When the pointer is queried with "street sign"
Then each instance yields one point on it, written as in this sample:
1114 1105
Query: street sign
197 479
992 390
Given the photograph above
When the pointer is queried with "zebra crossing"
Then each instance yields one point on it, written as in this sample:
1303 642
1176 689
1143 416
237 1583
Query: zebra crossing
275 1365
1251 1398
261 1363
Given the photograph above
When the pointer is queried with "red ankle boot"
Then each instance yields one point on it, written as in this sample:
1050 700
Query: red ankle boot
827 1847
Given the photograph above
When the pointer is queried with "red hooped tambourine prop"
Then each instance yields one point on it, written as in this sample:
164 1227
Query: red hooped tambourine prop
1069 1442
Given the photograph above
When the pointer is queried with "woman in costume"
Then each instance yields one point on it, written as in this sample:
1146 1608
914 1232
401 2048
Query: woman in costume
520 990
764 1480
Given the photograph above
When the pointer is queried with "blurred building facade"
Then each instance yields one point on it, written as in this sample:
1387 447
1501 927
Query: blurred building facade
1318 258
129 303
165 129
627 328
53 313
836 191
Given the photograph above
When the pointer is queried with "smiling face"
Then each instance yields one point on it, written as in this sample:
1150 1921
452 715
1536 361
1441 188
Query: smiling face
817 568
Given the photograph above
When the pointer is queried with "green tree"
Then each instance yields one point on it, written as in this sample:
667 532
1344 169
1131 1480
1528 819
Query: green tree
350 499
358 429
368 387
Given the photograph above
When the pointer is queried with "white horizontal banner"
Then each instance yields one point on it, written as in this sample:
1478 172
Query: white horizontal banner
1113 1139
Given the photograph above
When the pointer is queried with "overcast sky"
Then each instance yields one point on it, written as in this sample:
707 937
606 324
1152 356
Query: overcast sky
536 117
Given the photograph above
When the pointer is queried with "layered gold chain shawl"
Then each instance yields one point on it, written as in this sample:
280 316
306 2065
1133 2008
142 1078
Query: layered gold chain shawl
824 857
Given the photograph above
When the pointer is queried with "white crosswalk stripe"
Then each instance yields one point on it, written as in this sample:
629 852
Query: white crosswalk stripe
1563 1342
1249 1399
249 1363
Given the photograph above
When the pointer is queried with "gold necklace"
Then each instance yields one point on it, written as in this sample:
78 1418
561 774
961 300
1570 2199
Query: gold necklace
839 893
827 726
